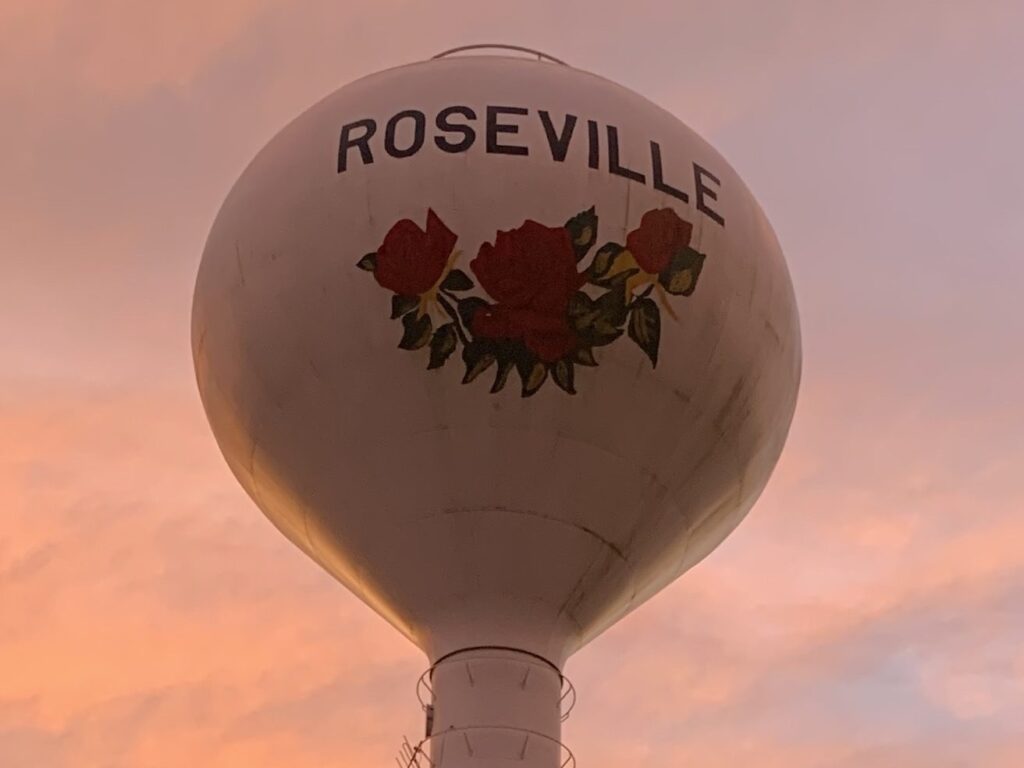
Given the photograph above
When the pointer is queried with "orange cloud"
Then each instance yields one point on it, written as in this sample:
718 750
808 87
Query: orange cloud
122 47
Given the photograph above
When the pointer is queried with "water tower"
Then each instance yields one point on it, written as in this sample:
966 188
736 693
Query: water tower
505 348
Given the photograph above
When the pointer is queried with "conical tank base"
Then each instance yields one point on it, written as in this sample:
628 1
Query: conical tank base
495 706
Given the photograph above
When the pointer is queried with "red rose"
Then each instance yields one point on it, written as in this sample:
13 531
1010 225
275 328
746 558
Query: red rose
661 235
410 261
531 274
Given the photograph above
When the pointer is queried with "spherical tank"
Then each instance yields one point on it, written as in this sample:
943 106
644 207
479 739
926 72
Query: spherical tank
502 345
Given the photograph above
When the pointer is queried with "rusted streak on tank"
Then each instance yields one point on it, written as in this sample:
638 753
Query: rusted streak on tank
499 508
775 334
737 411
578 593
704 458
618 552
714 516
252 460
682 395
238 261
304 514
572 619
200 343
753 286
727 406
371 218
659 493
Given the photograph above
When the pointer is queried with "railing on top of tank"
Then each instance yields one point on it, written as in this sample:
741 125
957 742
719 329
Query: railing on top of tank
566 701
416 756
541 56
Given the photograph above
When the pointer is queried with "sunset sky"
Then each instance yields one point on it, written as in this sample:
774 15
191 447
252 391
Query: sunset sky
869 613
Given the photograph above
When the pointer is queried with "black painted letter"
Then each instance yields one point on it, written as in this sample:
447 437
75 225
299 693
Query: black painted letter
594 155
559 143
419 132
704 191
613 158
659 175
443 123
494 128
362 142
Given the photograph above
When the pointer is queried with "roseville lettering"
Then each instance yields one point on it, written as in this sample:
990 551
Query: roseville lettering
456 130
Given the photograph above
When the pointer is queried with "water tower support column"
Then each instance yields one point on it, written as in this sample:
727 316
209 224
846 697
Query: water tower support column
493 706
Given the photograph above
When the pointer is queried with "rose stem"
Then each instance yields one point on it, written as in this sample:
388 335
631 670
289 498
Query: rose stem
644 295
451 313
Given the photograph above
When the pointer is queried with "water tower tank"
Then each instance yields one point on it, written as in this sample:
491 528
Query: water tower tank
505 348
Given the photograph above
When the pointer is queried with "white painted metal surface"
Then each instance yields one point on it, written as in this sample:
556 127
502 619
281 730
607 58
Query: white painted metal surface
496 706
468 518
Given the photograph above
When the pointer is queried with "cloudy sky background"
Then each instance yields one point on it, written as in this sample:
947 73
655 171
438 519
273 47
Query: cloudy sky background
870 611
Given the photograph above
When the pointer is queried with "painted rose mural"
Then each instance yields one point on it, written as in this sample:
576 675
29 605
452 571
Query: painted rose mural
533 308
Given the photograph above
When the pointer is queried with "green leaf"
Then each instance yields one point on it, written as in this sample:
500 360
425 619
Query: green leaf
584 356
680 276
402 304
580 304
603 337
532 372
368 262
442 344
469 307
583 311
456 280
619 278
611 306
597 322
505 366
603 260
582 229
538 375
478 357
563 374
645 328
417 331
